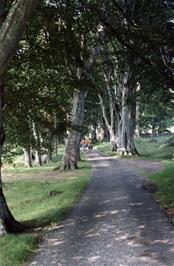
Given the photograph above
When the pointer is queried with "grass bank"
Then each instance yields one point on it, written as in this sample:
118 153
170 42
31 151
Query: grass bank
147 149
164 182
41 198
155 150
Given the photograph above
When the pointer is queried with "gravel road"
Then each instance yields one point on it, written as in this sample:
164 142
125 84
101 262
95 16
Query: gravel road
116 223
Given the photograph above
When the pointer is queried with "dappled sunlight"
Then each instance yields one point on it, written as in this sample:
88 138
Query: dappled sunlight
145 243
116 223
77 258
104 165
92 235
113 199
55 242
101 158
148 250
93 258
136 204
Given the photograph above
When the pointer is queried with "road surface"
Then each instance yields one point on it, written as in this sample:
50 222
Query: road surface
116 223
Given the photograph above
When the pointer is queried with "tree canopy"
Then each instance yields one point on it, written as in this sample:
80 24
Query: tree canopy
76 66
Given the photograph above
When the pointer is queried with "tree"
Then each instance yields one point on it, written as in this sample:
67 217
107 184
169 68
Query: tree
10 33
150 23
37 89
81 47
139 29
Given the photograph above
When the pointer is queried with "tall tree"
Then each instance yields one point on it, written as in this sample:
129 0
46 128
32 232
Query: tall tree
10 34
81 45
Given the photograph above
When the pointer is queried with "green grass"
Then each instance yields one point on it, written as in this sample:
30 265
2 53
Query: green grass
157 150
30 202
147 150
20 169
105 147
15 250
165 185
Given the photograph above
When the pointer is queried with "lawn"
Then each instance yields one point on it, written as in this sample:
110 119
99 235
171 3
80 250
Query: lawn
39 197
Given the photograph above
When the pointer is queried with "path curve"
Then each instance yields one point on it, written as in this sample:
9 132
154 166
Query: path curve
116 223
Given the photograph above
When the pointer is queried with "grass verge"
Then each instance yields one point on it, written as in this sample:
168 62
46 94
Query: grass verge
147 150
105 148
164 182
157 150
39 202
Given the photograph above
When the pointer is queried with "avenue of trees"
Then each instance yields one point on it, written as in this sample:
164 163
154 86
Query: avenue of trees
70 66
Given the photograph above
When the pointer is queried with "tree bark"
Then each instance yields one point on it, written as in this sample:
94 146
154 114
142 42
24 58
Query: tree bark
78 147
94 132
10 33
56 145
38 158
137 130
50 145
38 154
12 28
128 116
7 221
50 159
70 158
110 126
27 157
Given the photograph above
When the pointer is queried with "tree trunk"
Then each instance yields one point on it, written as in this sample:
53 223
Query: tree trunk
10 33
27 158
38 158
50 145
50 159
71 155
153 129
137 130
127 125
110 126
56 145
94 133
72 148
38 154
70 159
7 221
12 28
78 147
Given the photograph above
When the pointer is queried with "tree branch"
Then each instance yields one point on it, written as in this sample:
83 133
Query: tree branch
12 29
